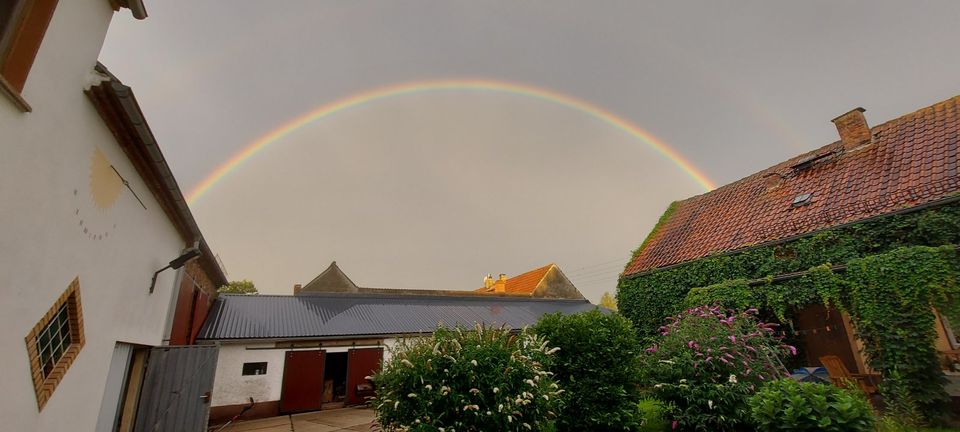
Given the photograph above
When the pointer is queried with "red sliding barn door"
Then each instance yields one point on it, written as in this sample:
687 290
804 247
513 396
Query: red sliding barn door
302 381
361 363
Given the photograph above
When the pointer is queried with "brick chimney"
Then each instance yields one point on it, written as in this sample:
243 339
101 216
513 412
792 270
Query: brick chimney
488 281
853 128
500 286
297 288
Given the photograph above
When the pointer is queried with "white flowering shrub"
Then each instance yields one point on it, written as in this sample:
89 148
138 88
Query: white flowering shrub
456 381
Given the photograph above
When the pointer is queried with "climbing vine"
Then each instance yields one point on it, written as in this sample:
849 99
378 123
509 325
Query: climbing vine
898 268
890 298
646 299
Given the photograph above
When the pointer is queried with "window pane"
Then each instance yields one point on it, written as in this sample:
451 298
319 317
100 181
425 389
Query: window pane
54 339
258 368
9 13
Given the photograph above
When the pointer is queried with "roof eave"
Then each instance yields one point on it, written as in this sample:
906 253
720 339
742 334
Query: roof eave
117 106
137 9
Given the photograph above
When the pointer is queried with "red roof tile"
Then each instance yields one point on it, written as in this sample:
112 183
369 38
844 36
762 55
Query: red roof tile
524 283
912 160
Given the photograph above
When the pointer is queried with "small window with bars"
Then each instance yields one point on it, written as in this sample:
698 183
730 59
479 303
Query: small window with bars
257 368
54 339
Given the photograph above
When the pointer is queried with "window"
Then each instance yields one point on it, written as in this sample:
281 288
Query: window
54 342
23 24
259 368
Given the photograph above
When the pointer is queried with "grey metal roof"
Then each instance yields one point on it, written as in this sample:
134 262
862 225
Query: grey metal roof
319 315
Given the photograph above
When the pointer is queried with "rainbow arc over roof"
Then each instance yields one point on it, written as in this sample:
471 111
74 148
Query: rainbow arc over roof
447 85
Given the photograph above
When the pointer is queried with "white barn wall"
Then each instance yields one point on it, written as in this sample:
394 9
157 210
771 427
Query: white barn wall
231 387
46 156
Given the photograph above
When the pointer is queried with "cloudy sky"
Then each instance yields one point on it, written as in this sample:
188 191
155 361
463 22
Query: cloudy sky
435 189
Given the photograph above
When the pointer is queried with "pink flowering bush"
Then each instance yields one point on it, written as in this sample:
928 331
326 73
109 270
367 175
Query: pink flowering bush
706 363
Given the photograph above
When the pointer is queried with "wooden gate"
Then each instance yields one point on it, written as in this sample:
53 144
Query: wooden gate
361 363
302 381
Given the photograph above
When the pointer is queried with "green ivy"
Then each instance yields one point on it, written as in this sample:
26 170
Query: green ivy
890 298
895 274
647 299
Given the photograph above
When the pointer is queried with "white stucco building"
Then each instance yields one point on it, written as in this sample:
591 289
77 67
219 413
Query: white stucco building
314 349
89 213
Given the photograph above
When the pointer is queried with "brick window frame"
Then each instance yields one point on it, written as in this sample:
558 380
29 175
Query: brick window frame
45 384
20 39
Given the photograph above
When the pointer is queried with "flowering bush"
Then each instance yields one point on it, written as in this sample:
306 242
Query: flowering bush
483 380
597 367
707 361
789 405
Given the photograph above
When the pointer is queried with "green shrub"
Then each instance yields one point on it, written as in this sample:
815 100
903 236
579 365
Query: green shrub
707 362
652 416
790 405
483 380
596 367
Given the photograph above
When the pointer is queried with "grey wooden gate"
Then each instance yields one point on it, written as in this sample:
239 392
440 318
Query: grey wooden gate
176 389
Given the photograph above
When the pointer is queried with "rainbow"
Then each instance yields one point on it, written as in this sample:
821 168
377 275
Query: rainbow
403 89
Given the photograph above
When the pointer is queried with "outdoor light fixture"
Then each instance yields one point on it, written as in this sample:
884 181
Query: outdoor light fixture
177 262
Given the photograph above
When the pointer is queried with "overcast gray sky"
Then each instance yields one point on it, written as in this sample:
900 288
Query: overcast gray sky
437 189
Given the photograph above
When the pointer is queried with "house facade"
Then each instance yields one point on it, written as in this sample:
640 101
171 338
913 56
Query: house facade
816 232
315 349
91 213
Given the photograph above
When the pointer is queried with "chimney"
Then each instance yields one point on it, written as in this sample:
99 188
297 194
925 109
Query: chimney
296 289
500 286
853 129
488 281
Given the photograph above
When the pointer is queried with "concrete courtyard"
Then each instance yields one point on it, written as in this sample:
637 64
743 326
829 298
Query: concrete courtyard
344 419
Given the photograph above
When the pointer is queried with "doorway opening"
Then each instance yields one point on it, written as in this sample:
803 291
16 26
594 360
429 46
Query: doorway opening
335 380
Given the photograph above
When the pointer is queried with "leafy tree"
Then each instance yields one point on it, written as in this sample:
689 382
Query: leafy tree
608 301
238 287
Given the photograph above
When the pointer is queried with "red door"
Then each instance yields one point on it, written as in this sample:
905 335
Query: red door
361 363
302 381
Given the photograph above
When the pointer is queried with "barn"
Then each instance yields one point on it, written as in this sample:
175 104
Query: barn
313 350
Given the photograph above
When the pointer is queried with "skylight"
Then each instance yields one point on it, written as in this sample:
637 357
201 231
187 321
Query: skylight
802 199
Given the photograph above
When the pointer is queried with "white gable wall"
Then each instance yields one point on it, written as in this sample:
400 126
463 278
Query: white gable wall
45 155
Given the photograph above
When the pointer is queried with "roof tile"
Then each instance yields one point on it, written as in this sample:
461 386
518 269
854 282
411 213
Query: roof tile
911 161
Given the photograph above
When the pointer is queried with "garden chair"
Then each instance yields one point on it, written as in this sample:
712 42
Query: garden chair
841 376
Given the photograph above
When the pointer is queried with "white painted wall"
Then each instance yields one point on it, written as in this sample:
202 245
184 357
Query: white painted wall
44 156
231 387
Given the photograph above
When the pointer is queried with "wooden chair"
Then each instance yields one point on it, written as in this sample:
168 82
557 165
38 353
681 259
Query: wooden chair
841 376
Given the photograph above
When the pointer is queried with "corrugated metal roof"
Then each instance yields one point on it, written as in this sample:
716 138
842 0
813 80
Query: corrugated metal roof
336 314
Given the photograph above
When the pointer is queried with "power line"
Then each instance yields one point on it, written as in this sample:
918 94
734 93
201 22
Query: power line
614 267
620 260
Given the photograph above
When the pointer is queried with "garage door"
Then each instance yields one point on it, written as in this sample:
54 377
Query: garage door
302 381
361 363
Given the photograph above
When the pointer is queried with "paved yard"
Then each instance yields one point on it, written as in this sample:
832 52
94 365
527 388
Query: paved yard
344 419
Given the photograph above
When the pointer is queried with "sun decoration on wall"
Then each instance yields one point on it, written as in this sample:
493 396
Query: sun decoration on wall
104 188
105 183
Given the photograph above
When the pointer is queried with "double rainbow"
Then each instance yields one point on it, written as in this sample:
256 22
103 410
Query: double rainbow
261 143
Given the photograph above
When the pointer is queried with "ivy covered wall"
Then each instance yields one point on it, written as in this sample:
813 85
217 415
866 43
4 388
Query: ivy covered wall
893 271
646 299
